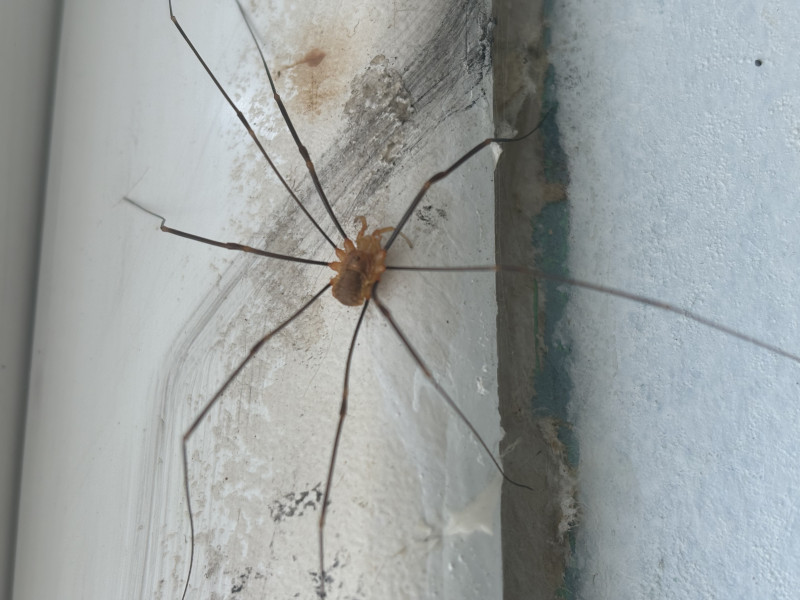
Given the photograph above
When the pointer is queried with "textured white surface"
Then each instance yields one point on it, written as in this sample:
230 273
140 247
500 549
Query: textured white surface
136 328
684 181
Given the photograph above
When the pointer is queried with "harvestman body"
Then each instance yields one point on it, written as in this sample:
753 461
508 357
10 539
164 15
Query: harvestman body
358 270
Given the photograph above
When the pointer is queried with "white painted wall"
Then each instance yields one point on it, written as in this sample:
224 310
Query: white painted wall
135 328
684 182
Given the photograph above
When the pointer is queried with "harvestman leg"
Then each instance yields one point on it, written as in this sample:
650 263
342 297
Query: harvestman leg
301 148
226 245
445 396
337 437
252 134
210 404
610 291
253 351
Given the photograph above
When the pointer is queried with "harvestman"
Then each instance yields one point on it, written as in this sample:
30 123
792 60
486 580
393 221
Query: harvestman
360 264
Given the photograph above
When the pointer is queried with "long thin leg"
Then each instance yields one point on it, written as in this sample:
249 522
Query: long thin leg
209 405
442 174
604 289
247 126
429 376
337 438
226 245
303 152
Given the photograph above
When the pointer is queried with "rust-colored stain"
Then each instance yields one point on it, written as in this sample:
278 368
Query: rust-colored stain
313 84
312 58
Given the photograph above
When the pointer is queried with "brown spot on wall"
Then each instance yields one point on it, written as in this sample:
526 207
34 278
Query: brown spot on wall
312 58
314 74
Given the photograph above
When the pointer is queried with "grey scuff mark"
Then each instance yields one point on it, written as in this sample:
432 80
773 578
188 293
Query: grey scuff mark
430 215
430 86
295 504
379 104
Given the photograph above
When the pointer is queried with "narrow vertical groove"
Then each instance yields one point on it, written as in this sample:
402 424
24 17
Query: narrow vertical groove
534 559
